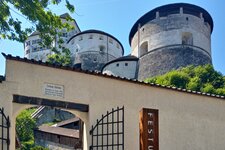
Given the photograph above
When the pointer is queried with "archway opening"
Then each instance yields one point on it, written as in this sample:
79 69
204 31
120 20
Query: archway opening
187 38
52 124
48 128
143 48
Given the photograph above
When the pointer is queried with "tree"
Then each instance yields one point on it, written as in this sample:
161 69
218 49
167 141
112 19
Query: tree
36 12
59 58
200 78
24 128
39 148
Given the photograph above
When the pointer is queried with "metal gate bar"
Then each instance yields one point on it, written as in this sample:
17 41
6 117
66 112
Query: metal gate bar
102 138
5 124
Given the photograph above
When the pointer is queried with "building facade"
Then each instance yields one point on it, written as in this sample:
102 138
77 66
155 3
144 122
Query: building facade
186 119
92 49
33 49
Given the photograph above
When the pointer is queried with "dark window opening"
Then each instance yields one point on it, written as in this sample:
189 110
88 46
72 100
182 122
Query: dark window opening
144 48
64 34
102 49
111 41
101 38
126 64
91 37
187 38
81 38
27 51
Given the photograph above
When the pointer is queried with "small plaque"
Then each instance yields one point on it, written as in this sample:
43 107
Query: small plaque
149 134
53 90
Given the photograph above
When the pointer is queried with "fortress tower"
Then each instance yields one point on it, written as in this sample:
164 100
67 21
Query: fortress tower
171 36
92 49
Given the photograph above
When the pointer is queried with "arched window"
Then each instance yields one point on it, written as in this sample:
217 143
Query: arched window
91 37
80 38
100 37
187 38
101 49
144 48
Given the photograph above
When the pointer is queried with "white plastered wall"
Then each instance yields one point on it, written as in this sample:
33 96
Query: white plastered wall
186 121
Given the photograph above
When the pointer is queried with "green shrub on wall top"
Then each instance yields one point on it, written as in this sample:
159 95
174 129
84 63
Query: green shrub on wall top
201 78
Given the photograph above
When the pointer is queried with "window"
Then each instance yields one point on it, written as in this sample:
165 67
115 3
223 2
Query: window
91 37
144 48
34 41
35 49
27 43
37 41
117 45
81 38
110 41
126 64
28 51
117 65
64 34
187 38
101 38
102 49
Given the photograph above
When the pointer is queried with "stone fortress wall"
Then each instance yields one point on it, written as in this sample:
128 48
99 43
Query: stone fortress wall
170 37
164 31
165 38
93 49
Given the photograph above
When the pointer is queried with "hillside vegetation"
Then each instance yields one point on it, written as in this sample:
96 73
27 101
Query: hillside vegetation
201 78
24 130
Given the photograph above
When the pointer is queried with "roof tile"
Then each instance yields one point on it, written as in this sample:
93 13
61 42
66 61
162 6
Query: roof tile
10 57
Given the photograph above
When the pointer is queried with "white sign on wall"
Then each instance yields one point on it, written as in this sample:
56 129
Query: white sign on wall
53 90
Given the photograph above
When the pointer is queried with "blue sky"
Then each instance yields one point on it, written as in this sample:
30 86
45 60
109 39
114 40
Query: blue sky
116 17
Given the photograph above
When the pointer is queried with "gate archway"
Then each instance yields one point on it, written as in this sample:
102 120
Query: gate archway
21 102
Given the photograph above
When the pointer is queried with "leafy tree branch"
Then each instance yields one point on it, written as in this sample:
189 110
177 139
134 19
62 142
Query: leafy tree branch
37 13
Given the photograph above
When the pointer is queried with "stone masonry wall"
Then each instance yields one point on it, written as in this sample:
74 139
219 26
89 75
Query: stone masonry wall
93 60
168 30
163 60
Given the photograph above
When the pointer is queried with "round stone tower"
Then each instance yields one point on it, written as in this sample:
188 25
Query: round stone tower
171 36
92 49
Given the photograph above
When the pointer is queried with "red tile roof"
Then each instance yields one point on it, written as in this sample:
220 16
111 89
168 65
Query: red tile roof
59 131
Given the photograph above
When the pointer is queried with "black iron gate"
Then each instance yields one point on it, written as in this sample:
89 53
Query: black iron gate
4 126
108 133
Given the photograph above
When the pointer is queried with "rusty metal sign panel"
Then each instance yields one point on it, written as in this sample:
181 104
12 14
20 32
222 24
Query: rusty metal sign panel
149 129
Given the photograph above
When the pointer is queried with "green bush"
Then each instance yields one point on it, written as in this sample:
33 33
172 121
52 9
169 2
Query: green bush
200 78
208 88
39 148
27 145
24 128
